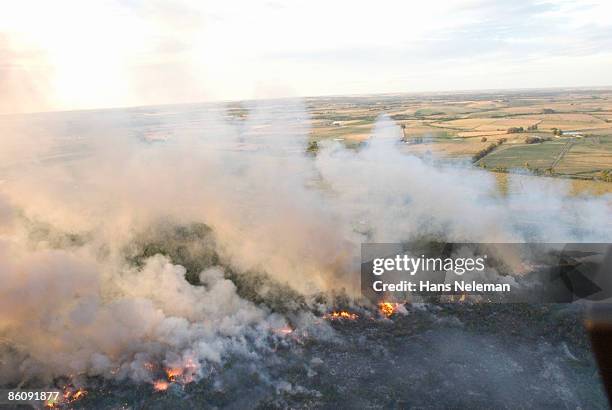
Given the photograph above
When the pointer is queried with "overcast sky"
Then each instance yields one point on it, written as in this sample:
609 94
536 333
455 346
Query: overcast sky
57 55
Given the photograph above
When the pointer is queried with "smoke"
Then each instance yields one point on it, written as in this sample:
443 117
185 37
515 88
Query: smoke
173 237
398 197
77 256
64 317
6 214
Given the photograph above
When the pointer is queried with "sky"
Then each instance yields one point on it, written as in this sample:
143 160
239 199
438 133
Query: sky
71 54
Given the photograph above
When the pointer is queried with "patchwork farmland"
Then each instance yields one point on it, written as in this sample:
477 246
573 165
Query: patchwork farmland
559 133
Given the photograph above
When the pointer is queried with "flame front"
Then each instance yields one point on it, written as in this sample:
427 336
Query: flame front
69 395
184 374
160 385
173 374
342 314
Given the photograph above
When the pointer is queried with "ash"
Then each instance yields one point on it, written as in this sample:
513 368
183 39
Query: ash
433 357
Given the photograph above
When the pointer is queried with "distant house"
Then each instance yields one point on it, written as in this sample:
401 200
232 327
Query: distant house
576 134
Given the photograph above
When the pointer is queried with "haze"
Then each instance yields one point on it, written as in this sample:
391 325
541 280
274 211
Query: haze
67 55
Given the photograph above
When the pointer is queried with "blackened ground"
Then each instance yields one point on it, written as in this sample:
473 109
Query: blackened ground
448 356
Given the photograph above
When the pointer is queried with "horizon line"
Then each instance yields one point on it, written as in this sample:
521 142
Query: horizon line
354 95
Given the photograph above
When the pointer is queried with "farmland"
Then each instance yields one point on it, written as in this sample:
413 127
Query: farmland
558 133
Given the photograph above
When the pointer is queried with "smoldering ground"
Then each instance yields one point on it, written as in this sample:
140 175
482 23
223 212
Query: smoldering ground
138 241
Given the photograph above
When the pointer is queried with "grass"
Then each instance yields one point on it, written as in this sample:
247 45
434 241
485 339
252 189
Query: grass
540 156
586 159
453 125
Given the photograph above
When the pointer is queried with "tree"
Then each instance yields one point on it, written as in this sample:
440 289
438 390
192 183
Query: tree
483 152
312 148
514 130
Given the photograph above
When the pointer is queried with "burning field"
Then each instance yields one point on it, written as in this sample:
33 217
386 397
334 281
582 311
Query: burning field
477 356
218 266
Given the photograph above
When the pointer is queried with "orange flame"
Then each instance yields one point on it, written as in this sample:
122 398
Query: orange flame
69 395
285 330
388 308
343 314
160 385
174 373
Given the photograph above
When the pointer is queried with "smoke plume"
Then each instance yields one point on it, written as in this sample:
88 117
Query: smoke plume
133 241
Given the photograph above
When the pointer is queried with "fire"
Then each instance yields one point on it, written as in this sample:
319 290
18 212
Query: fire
160 385
179 375
285 330
388 308
173 374
342 314
185 374
182 375
69 395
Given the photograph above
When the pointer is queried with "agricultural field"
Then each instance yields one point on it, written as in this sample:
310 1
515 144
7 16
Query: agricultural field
531 156
560 133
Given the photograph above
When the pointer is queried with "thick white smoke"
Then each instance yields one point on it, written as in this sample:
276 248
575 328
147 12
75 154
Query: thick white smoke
398 197
78 307
72 301
65 317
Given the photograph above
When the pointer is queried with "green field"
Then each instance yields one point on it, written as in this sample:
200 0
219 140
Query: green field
462 125
539 156
587 159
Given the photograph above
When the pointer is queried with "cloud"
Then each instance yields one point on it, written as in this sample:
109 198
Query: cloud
162 52
25 77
